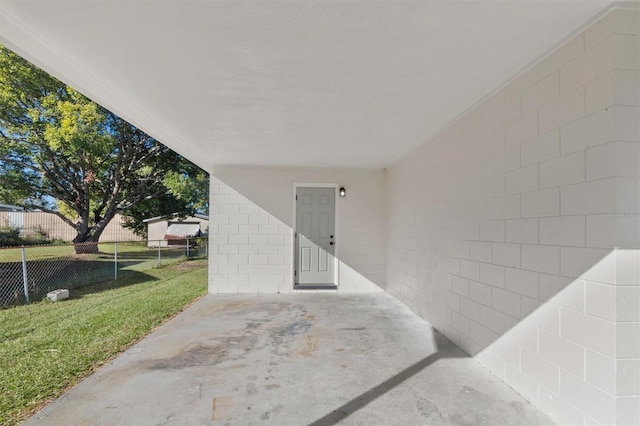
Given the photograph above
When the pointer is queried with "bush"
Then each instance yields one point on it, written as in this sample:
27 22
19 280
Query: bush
10 236
42 234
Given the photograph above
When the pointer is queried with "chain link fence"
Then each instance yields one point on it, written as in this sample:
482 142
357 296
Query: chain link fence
27 274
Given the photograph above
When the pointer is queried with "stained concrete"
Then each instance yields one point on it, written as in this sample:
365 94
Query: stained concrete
300 359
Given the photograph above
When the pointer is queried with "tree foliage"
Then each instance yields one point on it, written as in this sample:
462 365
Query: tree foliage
64 154
187 193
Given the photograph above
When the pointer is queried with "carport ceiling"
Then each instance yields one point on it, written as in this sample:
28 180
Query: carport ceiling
292 83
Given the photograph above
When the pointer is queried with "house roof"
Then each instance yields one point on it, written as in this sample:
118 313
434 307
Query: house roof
289 83
182 230
9 207
197 215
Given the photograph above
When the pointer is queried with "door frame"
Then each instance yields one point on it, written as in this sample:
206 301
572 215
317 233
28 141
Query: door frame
294 245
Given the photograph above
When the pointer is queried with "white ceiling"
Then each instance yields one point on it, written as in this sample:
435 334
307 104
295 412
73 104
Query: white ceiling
297 83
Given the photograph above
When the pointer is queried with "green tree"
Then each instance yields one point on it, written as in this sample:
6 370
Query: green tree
187 193
190 185
64 154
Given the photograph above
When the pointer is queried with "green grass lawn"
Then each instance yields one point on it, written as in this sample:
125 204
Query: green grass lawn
45 252
46 347
51 267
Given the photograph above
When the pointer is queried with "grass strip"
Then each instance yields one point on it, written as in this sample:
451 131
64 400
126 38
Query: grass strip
47 347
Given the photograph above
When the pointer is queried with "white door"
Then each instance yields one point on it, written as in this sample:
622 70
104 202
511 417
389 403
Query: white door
315 235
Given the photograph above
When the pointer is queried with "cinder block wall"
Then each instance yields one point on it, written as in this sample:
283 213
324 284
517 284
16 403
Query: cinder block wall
251 228
516 230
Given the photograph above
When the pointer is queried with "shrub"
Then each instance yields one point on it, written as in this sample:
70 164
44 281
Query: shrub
10 236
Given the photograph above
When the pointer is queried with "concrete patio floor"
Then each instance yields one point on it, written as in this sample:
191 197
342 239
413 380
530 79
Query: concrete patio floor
299 359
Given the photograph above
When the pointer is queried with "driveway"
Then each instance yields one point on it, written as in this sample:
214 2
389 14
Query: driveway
298 359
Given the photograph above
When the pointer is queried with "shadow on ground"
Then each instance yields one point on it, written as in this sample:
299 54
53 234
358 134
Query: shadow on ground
374 393
74 272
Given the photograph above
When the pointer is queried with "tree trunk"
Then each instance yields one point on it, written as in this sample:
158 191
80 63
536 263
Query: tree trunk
83 243
86 247
86 241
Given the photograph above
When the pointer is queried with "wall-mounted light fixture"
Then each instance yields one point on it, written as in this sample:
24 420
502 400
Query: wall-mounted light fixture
343 192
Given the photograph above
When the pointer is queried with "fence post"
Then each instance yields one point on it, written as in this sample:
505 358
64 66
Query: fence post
24 275
159 250
187 248
115 261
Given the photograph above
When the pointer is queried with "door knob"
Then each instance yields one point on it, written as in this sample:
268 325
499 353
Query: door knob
331 243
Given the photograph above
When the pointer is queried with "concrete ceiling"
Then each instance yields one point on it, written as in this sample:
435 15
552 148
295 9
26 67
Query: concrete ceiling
296 83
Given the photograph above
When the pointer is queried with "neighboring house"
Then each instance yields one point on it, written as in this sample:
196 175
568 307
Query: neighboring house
10 208
489 153
163 232
32 223
11 216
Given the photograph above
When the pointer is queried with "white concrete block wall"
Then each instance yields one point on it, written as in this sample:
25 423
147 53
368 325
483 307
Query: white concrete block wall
251 234
516 231
250 250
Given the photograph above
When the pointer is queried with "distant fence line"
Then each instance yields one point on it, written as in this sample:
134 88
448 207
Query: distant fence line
27 274
31 224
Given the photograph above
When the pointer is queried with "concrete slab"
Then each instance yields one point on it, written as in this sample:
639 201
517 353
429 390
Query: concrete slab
299 359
